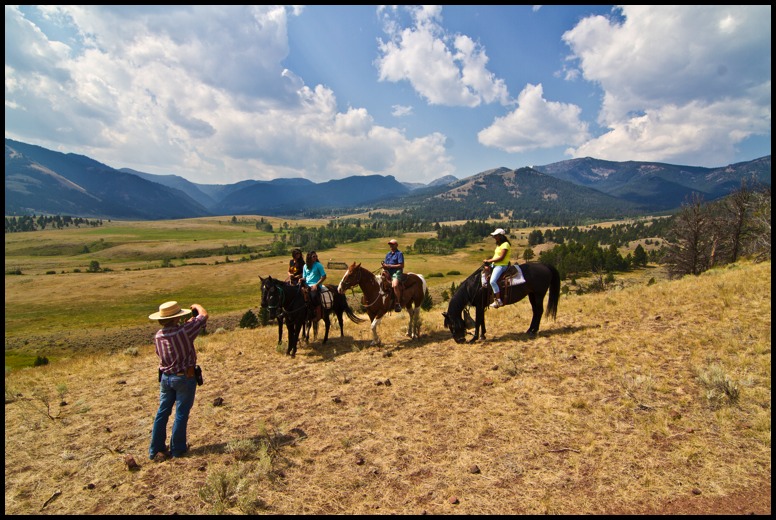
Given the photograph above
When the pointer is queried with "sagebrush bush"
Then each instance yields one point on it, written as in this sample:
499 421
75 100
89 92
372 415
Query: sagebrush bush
249 320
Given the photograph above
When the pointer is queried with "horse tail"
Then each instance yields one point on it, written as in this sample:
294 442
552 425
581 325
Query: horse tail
552 302
352 315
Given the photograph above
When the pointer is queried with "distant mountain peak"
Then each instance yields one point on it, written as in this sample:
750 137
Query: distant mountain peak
38 180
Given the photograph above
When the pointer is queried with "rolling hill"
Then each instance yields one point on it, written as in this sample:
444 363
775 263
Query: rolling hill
42 181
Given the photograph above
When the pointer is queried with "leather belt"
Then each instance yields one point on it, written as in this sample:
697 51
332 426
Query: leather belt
189 372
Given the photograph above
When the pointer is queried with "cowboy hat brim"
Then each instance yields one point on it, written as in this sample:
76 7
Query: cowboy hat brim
158 315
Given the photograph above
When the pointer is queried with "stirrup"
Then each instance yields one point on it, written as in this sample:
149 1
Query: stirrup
496 304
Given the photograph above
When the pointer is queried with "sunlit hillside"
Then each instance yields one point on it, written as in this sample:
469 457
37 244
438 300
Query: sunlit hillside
647 399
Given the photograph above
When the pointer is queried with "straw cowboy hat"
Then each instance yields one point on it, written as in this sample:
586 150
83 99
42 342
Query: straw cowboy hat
169 310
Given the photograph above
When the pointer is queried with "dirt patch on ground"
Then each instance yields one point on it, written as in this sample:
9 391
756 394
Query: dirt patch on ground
106 341
753 501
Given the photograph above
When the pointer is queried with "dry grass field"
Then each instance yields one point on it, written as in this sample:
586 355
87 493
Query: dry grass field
653 398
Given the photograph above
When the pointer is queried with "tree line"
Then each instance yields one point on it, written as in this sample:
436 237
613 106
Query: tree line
704 235
37 223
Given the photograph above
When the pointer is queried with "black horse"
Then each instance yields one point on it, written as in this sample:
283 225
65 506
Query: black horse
275 293
286 303
539 278
339 306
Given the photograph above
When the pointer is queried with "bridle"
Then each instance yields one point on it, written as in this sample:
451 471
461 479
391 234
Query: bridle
471 293
360 272
271 286
281 301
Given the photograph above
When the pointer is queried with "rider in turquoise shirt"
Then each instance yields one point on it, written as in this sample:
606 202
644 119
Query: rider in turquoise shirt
313 275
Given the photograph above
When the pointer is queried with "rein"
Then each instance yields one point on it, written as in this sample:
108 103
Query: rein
472 282
358 282
280 289
282 302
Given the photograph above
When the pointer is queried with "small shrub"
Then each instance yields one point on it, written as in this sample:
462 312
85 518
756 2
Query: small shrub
435 275
427 301
511 364
453 273
242 449
39 361
221 489
249 320
263 316
51 272
721 390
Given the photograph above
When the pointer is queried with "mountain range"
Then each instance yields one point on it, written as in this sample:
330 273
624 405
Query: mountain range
42 181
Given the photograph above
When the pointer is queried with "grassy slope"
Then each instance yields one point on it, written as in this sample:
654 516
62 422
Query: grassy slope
603 413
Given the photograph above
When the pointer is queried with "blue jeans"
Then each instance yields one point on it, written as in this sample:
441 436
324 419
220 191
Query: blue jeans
497 270
180 391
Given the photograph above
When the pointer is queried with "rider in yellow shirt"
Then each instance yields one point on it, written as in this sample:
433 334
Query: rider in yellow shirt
498 262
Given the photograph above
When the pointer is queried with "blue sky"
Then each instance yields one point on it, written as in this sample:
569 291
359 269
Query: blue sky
220 94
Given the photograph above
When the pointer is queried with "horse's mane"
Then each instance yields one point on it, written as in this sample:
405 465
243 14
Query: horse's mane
464 295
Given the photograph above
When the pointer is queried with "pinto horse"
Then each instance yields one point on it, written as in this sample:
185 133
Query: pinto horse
539 278
378 297
286 303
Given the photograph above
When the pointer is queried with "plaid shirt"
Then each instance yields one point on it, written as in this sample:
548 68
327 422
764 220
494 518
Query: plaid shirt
175 345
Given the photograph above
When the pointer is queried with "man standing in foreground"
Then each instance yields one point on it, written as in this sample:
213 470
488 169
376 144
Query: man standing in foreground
177 382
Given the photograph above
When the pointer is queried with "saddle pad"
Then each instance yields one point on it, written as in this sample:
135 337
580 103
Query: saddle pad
327 298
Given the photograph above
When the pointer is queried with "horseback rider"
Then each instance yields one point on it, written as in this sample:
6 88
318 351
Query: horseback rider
498 263
295 267
313 276
393 265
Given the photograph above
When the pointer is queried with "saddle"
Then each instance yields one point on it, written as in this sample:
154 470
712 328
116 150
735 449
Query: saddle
325 299
505 280
405 280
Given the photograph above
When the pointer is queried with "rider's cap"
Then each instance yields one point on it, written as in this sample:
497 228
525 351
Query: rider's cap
499 231
392 241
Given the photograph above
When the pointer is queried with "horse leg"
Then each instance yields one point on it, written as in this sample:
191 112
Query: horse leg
375 337
415 323
341 321
290 351
538 309
327 324
479 323
280 331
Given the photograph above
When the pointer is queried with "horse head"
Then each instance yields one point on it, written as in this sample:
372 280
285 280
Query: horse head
271 296
351 278
455 323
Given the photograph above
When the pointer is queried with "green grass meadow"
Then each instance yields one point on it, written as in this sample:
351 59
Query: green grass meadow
56 294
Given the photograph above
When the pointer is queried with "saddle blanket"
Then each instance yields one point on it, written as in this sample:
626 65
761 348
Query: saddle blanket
327 297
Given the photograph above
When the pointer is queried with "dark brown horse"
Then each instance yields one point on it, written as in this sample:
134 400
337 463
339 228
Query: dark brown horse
378 297
539 278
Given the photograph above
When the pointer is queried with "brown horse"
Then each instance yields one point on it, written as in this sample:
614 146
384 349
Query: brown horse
378 297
